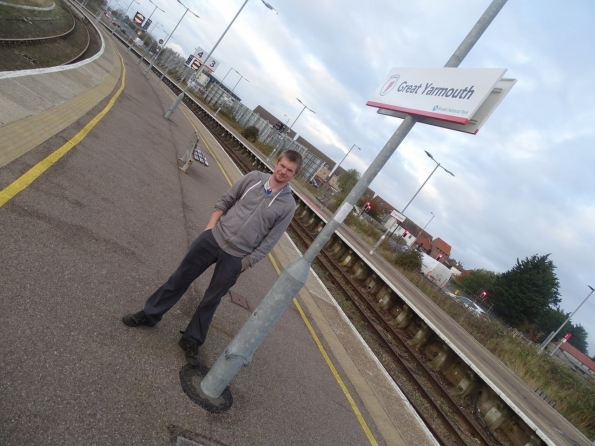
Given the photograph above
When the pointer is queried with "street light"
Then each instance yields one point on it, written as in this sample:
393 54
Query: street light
298 117
140 59
330 175
234 87
288 118
424 228
181 95
373 250
551 336
226 75
169 37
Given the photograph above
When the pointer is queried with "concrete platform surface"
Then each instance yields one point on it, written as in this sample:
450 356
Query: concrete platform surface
89 235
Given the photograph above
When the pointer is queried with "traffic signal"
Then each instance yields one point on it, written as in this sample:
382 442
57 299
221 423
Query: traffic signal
139 18
439 257
405 234
483 294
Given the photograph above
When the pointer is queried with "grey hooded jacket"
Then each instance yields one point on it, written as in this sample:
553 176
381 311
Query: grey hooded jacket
253 222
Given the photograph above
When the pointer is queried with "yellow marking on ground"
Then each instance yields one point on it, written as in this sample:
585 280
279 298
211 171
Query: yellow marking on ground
36 171
331 366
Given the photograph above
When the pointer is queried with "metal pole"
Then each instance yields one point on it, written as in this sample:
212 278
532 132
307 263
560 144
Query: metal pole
239 352
381 239
180 97
544 345
424 228
272 155
330 175
165 43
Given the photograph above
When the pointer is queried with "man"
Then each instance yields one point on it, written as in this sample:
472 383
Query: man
246 224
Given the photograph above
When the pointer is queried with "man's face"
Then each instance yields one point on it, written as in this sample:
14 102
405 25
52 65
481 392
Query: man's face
284 170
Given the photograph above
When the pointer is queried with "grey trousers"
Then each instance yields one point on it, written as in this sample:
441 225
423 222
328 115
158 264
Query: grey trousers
203 252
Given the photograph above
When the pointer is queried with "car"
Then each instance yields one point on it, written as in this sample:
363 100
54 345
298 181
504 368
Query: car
313 182
115 23
472 306
123 31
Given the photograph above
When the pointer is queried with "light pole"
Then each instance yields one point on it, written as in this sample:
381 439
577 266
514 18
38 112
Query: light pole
373 250
241 349
330 175
290 127
234 87
149 18
169 37
226 75
288 118
424 228
551 336
173 107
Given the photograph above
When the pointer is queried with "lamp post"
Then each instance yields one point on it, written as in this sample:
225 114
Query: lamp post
241 349
290 127
373 250
288 118
330 175
173 107
169 37
226 75
149 18
551 336
234 87
424 228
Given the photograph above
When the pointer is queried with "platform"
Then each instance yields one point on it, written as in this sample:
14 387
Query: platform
96 217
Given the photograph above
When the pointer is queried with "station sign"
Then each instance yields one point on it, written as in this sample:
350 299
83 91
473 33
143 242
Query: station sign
147 24
479 117
397 216
138 18
446 94
201 55
192 62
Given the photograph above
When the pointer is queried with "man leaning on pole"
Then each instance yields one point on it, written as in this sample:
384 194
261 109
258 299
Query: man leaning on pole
248 221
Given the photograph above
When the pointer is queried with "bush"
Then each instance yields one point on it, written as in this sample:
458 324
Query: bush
250 133
409 260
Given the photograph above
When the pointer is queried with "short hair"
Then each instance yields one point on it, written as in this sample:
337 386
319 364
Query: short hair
294 157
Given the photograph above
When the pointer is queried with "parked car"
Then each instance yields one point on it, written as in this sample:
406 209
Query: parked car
313 182
472 306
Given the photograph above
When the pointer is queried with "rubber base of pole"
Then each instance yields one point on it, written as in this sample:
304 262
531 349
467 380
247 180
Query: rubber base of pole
190 379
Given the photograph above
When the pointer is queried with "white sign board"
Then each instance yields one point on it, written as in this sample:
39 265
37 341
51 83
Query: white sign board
477 120
446 94
397 216
201 55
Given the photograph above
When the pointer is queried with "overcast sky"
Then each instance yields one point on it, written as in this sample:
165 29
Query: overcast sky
523 184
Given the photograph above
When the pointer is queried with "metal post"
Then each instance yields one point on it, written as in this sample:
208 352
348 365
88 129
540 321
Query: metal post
330 175
292 279
272 155
180 97
544 345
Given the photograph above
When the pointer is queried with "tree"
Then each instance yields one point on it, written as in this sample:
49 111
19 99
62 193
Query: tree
550 320
579 338
522 294
479 280
410 260
251 133
375 210
347 180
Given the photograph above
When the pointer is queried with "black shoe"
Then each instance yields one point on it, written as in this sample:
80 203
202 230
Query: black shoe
191 349
136 319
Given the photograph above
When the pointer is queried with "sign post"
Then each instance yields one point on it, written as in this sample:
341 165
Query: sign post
239 352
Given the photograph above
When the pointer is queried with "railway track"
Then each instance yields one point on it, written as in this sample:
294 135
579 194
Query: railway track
450 421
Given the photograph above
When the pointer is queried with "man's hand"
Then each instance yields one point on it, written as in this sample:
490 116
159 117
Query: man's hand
245 264
215 216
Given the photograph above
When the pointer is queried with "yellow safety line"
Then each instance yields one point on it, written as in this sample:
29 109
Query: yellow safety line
328 360
331 366
32 174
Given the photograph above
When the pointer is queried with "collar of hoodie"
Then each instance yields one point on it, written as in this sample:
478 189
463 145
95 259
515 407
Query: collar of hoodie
256 184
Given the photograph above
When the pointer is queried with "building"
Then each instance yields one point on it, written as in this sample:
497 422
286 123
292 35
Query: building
440 250
576 359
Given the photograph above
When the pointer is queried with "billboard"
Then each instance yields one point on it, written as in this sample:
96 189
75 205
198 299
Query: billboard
147 24
201 54
447 94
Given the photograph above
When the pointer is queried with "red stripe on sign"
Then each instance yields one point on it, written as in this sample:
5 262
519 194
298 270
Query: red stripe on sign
412 111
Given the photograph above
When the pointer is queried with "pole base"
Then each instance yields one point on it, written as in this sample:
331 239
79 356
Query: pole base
190 379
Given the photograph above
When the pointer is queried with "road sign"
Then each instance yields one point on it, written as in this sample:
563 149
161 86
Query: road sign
479 117
138 18
397 216
446 94
201 54
160 41
147 24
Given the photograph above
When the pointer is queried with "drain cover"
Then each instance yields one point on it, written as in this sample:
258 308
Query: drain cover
190 379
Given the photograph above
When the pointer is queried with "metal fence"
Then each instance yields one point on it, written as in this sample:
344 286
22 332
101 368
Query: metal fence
216 96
